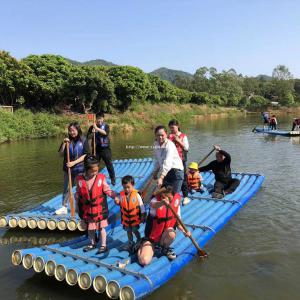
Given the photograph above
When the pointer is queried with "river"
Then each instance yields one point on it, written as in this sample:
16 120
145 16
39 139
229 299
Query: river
256 255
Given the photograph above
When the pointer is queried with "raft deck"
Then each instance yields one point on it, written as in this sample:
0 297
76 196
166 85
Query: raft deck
117 272
43 216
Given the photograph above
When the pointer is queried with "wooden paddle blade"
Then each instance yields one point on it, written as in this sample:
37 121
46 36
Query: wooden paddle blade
201 162
71 197
72 207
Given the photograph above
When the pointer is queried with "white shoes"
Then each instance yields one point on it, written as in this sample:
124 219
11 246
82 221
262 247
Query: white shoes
186 201
62 211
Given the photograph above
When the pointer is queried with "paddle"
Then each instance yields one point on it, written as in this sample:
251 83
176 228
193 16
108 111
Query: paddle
71 196
92 117
201 253
144 192
201 162
254 129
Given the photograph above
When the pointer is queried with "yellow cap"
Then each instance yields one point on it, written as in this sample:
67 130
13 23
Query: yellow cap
193 165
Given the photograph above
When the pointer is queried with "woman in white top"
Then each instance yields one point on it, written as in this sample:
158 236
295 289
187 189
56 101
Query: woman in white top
168 170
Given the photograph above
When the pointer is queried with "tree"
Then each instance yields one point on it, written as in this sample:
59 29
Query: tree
281 72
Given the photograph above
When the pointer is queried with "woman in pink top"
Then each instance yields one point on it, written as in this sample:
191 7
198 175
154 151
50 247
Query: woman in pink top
92 191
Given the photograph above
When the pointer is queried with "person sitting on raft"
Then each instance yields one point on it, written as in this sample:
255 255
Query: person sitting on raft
133 211
77 154
224 183
161 224
194 178
273 123
296 123
91 192
168 169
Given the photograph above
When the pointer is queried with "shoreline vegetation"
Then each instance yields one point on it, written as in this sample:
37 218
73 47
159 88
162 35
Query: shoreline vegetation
24 124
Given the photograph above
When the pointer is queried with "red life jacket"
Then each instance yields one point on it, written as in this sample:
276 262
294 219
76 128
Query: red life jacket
92 204
130 210
178 147
164 219
273 121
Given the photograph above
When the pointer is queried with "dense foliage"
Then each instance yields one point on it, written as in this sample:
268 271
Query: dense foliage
53 83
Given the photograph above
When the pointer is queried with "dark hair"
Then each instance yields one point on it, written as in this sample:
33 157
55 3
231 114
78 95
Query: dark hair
78 128
167 190
89 161
174 122
99 114
128 179
159 127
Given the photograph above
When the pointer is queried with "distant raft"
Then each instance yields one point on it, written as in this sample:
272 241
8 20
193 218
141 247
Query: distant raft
117 272
43 216
277 132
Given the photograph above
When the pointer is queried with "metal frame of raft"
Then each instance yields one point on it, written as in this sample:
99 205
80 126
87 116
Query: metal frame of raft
277 132
205 217
43 217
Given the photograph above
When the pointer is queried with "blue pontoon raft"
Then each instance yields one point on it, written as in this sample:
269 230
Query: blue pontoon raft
276 132
43 216
117 272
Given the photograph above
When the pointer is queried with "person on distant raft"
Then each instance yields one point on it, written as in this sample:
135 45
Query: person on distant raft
103 150
77 154
161 224
194 178
182 145
91 192
273 123
266 118
133 211
168 169
224 183
296 124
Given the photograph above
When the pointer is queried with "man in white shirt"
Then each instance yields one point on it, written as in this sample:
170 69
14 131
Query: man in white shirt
168 170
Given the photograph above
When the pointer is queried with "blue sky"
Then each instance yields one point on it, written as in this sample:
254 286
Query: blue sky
250 36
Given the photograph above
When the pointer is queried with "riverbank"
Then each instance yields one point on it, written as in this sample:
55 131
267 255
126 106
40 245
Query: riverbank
23 124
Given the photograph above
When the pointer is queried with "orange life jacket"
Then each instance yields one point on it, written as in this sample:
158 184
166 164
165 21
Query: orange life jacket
130 210
194 181
92 204
178 147
164 219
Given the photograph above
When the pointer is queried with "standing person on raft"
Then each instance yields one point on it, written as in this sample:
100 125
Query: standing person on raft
273 123
161 224
224 184
77 153
168 169
91 195
102 141
182 145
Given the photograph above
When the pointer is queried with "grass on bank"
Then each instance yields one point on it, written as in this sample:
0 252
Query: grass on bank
23 124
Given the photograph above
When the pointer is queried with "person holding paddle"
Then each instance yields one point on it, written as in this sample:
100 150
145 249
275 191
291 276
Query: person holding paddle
75 145
224 183
168 169
100 138
161 224
182 145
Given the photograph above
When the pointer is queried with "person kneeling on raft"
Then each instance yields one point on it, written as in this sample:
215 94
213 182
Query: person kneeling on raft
296 123
91 195
224 184
133 211
161 224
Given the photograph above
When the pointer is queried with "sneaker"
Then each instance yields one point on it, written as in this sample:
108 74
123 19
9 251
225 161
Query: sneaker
217 195
89 248
102 249
186 201
169 253
62 211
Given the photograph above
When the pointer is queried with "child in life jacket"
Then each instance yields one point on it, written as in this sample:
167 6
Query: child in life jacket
161 224
91 195
194 178
133 211
273 123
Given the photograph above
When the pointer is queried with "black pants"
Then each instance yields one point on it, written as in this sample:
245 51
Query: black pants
228 188
184 187
105 154
273 126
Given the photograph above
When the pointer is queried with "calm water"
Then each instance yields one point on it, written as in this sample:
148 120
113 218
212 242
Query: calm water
256 256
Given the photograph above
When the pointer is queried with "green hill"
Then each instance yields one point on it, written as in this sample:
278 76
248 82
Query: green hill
169 74
94 62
